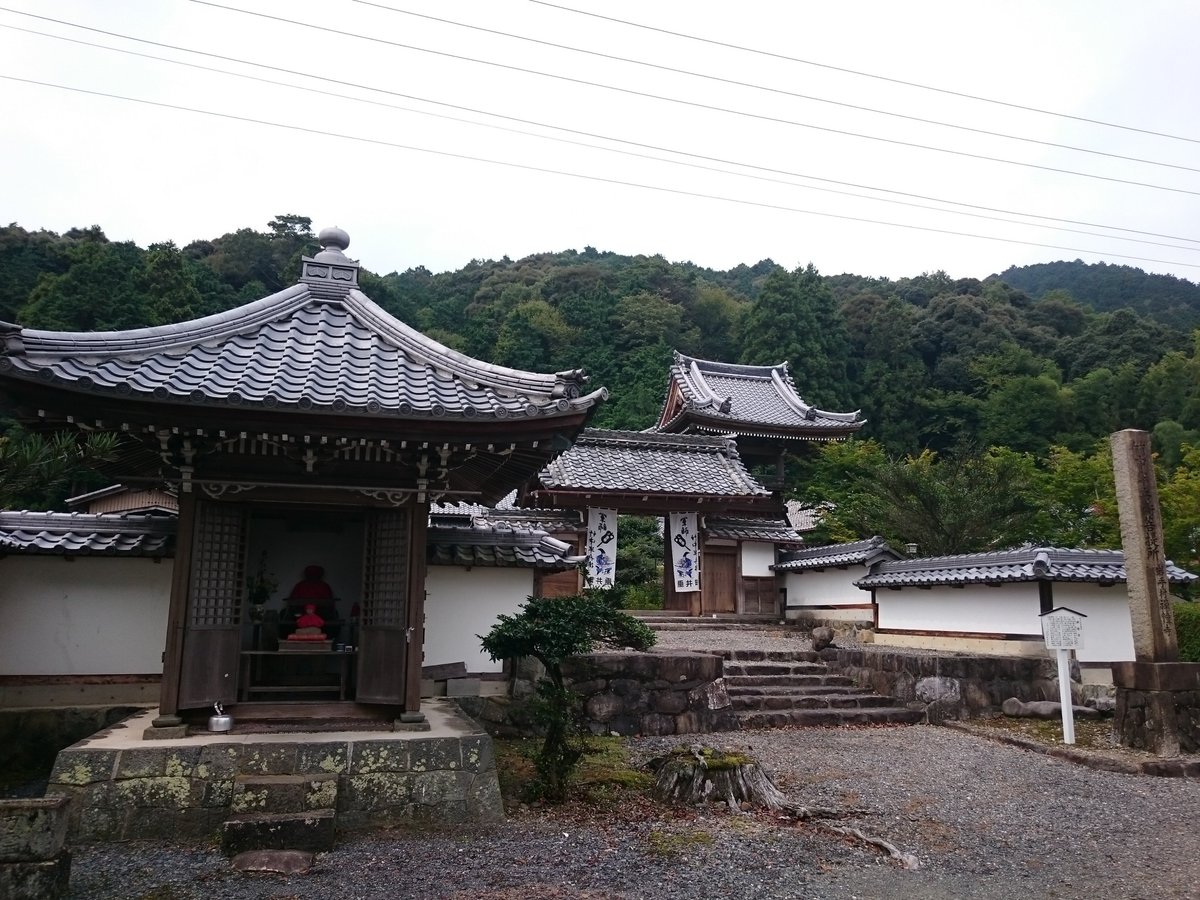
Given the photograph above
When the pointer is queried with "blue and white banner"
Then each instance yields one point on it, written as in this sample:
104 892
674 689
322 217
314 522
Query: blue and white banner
601 548
685 551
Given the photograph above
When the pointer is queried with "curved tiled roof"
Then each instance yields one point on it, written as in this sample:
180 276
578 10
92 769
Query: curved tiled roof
82 534
316 347
834 555
735 398
649 463
1025 564
497 545
752 528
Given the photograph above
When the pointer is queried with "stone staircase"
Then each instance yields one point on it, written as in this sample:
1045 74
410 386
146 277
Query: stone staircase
281 812
776 688
719 622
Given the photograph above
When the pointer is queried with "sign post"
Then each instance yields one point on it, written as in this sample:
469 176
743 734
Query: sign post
1063 630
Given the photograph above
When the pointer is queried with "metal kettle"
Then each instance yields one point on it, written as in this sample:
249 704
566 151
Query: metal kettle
220 722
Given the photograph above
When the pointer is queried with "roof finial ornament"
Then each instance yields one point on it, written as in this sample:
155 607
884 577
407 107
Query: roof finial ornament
330 266
333 240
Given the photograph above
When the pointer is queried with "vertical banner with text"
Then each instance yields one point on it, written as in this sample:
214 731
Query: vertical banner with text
685 551
601 547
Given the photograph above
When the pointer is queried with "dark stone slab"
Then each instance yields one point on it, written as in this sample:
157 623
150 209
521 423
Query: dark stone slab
281 862
42 880
1149 676
33 829
311 831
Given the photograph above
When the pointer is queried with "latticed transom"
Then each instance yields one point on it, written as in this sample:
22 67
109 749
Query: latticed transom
385 570
218 565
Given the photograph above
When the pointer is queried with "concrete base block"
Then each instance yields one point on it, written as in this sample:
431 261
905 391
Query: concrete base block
44 880
164 732
310 831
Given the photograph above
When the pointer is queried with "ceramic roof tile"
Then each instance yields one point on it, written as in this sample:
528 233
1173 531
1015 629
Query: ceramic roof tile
834 555
1025 564
313 346
751 528
642 462
497 545
86 535
735 398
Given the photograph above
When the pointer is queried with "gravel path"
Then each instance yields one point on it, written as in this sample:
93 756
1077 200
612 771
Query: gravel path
985 821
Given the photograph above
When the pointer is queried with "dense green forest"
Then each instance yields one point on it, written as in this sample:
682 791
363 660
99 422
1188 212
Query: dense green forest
1043 361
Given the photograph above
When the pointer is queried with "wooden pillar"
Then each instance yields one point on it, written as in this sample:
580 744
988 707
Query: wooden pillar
415 623
1150 610
168 703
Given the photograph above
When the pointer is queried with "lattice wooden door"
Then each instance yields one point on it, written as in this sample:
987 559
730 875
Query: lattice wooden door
212 624
384 642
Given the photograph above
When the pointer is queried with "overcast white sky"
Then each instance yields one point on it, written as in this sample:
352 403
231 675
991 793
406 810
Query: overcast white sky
148 173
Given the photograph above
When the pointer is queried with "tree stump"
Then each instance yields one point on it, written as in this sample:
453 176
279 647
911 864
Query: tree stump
696 775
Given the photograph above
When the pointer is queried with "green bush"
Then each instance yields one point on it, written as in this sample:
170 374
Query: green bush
1187 627
550 630
642 596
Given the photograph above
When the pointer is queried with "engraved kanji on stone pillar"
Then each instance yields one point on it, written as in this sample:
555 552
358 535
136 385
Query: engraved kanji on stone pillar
1141 536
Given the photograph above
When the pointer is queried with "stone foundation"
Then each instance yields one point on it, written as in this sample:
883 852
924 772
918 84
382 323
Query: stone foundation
126 788
652 693
1158 707
659 693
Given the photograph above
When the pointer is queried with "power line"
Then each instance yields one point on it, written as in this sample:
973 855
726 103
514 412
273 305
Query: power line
584 177
696 104
780 91
589 134
901 81
647 156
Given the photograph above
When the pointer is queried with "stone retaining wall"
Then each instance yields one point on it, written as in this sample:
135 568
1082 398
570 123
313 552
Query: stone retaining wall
660 693
185 792
951 686
652 693
33 863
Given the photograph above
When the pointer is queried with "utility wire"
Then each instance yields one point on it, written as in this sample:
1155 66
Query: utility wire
575 143
584 177
780 91
568 130
833 68
692 103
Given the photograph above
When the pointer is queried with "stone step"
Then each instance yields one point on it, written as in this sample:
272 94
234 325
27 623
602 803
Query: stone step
776 680
775 668
283 793
311 831
710 625
886 715
814 701
794 656
841 686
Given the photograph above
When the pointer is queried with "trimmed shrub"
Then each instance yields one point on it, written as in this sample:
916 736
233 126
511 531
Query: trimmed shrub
1187 627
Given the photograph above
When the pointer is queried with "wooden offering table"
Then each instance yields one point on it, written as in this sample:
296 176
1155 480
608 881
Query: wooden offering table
252 670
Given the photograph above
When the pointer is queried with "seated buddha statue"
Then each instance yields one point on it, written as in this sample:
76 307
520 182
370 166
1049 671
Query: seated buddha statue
309 626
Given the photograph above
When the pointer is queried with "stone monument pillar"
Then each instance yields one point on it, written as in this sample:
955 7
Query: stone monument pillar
1158 697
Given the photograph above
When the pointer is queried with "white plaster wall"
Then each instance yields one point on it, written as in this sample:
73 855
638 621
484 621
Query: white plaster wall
462 603
1007 609
1108 629
826 587
757 559
90 616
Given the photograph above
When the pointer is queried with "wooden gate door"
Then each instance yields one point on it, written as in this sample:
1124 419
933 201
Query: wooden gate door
718 580
212 624
383 641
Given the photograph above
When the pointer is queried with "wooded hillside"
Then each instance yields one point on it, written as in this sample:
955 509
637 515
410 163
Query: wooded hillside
1019 361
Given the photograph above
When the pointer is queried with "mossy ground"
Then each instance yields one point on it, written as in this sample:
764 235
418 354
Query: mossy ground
606 775
1090 734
